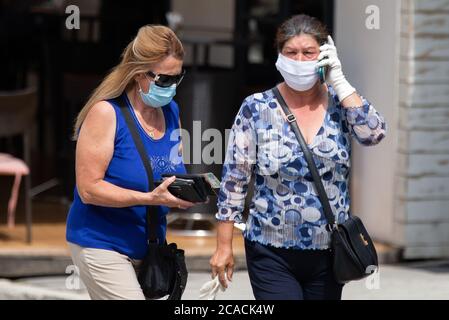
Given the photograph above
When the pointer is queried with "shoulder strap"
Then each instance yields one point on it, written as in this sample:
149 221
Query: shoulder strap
309 158
152 215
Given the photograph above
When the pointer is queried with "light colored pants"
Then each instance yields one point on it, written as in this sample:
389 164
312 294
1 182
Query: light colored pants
107 275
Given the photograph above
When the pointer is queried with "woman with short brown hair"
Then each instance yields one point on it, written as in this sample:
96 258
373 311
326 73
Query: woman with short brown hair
286 239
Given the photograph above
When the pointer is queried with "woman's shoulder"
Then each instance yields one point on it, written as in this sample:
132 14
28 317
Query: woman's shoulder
100 122
259 101
262 97
102 110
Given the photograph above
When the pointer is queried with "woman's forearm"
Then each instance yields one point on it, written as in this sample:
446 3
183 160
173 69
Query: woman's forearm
225 231
103 193
352 100
363 120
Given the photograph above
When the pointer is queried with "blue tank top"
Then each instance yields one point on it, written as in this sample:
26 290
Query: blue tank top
124 229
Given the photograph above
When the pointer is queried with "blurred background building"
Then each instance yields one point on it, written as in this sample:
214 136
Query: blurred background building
396 53
401 187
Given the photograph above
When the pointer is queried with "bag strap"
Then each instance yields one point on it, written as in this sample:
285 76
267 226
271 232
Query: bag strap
310 162
152 214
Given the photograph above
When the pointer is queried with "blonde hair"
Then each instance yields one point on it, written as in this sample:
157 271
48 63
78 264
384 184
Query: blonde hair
152 44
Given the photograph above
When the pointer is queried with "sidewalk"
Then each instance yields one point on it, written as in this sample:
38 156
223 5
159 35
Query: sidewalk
411 281
39 271
408 281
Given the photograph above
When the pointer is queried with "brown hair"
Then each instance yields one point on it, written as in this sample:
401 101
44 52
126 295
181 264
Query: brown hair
300 24
152 44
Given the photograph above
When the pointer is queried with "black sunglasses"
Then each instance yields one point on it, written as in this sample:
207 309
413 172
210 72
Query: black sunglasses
166 80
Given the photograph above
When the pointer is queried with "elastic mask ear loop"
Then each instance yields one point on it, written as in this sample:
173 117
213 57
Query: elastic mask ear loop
140 88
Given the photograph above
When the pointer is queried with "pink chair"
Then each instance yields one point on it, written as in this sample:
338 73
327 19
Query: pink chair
17 115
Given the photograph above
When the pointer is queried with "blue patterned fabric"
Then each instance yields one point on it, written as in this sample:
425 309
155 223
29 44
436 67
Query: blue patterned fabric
285 210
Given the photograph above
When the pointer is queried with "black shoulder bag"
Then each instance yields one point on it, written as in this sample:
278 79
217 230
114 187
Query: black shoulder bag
163 271
354 254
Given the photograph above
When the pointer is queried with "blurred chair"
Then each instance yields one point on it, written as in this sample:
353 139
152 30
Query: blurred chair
17 115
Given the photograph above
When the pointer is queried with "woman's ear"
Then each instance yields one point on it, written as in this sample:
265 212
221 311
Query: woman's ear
138 78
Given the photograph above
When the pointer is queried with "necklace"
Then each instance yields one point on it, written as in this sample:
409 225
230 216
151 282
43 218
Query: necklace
151 133
149 129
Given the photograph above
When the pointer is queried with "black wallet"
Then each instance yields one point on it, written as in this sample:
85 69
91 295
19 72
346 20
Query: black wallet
189 187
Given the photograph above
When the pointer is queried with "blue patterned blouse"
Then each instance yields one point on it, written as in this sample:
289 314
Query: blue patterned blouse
285 210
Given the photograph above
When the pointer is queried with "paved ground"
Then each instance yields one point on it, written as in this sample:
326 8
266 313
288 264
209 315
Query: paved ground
425 280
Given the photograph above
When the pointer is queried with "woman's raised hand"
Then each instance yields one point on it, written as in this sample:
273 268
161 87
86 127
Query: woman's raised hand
328 58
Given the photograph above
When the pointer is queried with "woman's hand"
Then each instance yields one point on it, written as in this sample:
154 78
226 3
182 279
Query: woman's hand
161 196
328 57
222 262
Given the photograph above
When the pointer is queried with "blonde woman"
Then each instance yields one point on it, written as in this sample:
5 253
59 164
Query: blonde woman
106 226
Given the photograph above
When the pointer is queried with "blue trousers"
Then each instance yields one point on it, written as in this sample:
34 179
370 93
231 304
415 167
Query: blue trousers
291 274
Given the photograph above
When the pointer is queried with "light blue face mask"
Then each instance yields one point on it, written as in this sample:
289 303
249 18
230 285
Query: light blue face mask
157 96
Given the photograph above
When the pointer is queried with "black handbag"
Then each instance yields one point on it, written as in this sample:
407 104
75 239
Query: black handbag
163 271
354 254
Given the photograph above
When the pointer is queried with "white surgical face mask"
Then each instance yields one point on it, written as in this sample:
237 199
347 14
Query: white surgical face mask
298 75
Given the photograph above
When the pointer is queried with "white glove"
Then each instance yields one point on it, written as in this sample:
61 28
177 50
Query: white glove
210 289
328 57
